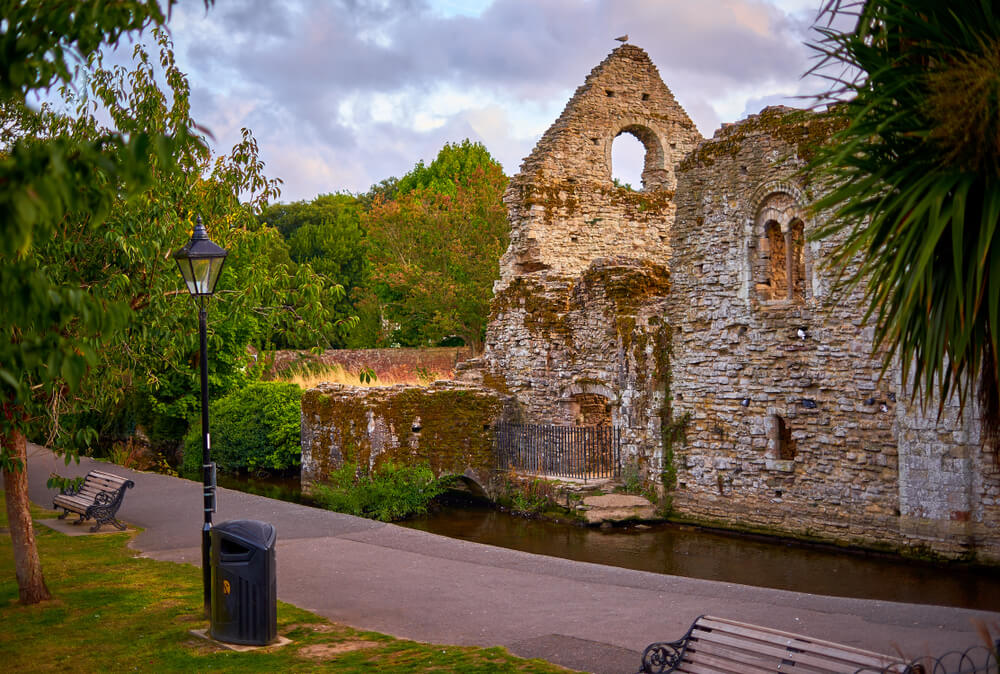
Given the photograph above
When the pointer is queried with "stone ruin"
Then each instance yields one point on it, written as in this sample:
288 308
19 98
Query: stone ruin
696 316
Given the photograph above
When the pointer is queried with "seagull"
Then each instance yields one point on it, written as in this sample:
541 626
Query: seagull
801 333
623 38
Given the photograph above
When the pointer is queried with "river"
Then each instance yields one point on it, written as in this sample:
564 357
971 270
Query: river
699 553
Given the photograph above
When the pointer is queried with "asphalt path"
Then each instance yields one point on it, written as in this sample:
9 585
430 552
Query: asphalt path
430 588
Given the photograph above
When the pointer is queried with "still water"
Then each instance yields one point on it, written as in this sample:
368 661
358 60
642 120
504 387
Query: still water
698 553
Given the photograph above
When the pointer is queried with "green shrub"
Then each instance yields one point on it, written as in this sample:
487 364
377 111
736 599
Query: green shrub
527 497
389 493
255 428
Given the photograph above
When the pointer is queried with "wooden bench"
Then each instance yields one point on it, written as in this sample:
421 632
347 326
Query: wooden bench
720 646
98 497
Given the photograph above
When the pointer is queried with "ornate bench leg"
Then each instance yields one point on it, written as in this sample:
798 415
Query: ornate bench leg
63 515
81 520
662 657
108 520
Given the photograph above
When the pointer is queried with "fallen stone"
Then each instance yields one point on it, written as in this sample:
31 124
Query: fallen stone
617 508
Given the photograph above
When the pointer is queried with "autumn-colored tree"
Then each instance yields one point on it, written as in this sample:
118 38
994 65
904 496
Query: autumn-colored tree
435 253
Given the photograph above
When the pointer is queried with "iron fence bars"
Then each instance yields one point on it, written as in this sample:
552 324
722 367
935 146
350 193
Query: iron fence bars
974 660
581 452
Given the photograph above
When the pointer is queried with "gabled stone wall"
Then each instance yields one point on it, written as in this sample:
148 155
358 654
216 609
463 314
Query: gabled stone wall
564 209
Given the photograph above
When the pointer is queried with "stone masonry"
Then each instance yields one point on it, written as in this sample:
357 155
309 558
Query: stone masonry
699 316
447 426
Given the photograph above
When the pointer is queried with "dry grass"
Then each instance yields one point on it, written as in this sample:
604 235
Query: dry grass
308 378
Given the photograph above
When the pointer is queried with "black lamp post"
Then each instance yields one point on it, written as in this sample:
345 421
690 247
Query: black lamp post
200 262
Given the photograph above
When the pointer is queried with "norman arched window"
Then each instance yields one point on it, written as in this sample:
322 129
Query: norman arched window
779 262
655 174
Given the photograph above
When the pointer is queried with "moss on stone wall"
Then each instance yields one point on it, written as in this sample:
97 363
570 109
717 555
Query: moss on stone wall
446 428
804 130
543 312
653 202
628 285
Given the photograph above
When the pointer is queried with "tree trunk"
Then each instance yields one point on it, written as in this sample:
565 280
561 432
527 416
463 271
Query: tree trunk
27 566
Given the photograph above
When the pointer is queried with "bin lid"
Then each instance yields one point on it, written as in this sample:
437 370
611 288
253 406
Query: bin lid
260 534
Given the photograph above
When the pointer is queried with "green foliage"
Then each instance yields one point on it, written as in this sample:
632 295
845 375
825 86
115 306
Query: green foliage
455 163
255 428
64 484
435 250
632 480
124 312
389 493
527 497
914 186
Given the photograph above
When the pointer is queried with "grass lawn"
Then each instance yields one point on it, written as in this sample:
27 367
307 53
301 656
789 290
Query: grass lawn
113 611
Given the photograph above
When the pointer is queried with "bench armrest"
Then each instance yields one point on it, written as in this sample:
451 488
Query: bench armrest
662 656
105 498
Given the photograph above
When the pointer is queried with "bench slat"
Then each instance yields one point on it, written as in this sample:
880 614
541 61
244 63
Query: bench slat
711 621
799 660
703 662
818 647
108 477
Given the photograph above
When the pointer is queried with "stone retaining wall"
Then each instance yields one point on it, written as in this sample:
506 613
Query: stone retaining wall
446 425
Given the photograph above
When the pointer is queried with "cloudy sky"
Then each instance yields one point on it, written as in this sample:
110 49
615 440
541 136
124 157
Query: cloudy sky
343 93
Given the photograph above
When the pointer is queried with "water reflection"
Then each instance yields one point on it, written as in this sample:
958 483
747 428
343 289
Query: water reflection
688 551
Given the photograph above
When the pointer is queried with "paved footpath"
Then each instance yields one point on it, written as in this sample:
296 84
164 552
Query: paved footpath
421 586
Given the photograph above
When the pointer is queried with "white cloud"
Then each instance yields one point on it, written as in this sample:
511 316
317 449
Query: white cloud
341 94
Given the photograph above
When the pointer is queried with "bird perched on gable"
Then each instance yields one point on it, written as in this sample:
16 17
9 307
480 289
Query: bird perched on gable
623 39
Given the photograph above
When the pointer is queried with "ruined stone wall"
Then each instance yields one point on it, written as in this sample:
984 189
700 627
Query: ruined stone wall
555 344
701 313
576 312
789 425
447 426
949 486
564 209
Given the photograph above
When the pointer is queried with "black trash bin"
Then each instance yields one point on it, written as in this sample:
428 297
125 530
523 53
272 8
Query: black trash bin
244 592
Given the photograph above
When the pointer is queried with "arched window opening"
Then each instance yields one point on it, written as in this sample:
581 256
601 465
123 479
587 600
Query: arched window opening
779 267
636 158
628 156
774 286
590 409
795 260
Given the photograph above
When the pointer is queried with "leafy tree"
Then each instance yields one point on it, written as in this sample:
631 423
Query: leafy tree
435 250
149 374
454 162
333 244
51 332
914 185
94 322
